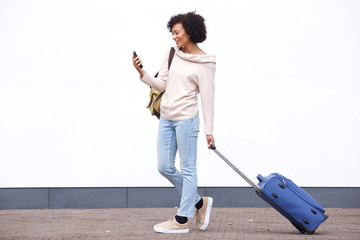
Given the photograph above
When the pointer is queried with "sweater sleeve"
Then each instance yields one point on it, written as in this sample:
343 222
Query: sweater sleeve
207 94
159 83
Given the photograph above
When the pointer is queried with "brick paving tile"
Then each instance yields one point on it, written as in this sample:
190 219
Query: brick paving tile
131 223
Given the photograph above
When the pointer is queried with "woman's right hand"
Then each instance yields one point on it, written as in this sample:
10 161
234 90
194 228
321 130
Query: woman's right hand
137 62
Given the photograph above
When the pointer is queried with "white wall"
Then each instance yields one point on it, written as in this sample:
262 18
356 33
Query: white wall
73 109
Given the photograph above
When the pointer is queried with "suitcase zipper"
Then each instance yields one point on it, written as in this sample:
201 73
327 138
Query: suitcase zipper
303 197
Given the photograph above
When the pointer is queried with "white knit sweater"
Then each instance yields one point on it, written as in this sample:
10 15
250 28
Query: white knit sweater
189 75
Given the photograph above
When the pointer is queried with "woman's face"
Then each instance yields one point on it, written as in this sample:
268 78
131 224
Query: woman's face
179 35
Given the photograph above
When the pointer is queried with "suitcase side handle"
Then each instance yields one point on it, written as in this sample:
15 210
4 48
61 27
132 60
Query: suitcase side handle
248 180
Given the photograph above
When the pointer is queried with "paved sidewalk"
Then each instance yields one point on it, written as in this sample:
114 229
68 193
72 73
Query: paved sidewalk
131 223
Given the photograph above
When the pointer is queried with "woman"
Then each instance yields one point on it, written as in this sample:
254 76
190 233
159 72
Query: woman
192 72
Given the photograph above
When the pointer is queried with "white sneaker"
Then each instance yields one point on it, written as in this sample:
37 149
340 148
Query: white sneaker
203 214
171 226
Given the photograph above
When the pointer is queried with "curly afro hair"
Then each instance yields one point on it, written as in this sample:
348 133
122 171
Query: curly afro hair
193 23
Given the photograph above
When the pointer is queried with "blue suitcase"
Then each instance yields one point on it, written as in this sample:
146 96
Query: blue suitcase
302 210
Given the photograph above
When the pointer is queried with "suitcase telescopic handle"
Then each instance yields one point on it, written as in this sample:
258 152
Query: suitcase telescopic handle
256 187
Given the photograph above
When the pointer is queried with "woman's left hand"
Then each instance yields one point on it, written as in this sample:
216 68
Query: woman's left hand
210 140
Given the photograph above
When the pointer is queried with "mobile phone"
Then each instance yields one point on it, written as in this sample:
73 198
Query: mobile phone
141 66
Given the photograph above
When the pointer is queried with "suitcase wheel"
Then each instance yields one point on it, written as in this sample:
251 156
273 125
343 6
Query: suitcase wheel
301 230
307 231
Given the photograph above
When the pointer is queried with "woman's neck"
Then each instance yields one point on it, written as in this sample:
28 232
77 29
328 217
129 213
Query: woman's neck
192 48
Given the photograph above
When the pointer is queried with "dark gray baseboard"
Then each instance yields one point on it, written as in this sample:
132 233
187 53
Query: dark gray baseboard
157 197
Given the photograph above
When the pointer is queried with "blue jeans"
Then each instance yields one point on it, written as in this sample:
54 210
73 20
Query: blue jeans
182 136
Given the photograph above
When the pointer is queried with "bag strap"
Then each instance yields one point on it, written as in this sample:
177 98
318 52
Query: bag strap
171 56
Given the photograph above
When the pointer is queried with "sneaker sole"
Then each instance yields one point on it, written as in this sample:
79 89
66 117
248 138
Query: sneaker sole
207 215
165 230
